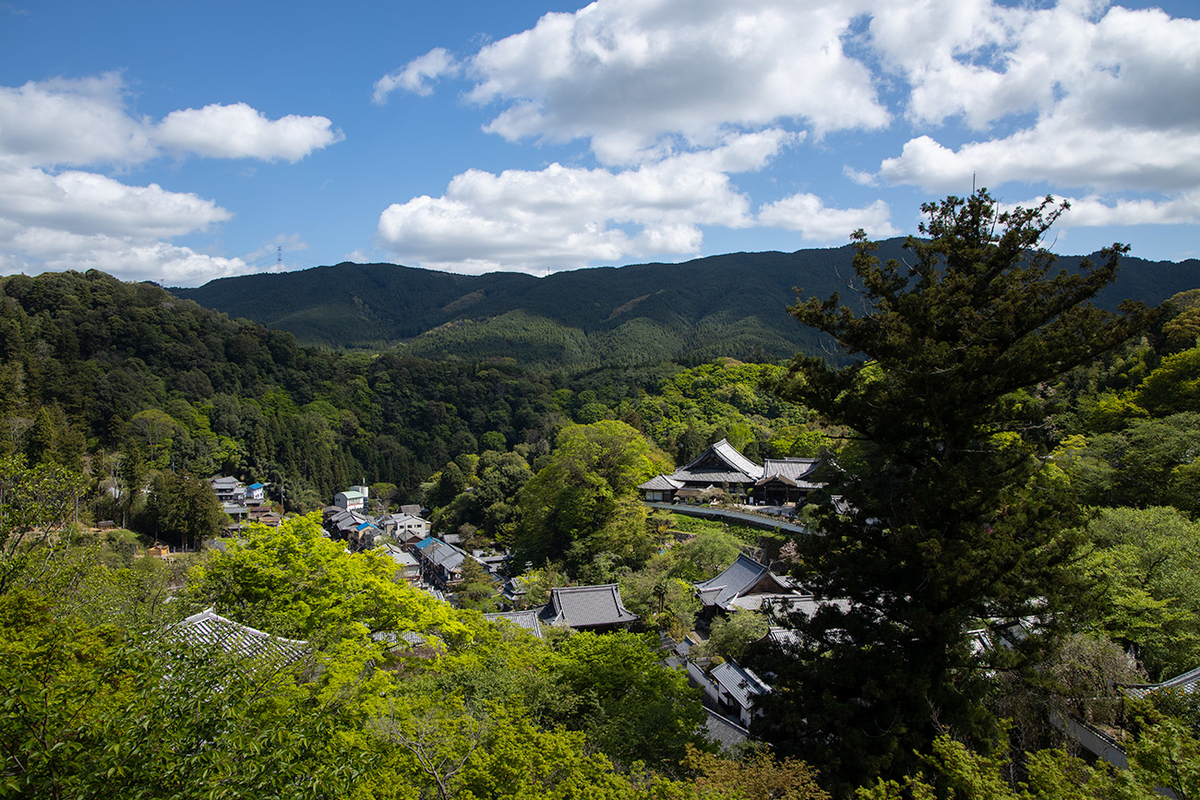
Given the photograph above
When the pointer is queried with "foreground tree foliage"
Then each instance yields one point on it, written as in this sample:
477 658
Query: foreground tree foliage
758 775
38 507
949 517
395 695
294 582
1163 756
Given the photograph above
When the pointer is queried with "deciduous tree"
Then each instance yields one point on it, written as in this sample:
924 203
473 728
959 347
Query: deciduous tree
584 501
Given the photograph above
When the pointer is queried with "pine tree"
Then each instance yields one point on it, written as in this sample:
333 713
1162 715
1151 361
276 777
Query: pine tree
948 517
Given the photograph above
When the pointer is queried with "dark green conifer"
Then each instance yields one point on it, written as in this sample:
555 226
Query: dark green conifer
948 517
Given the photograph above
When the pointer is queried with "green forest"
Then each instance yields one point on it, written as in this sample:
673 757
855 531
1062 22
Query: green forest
999 455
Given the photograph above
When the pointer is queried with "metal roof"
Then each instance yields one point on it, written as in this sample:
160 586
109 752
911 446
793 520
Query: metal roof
1186 683
440 554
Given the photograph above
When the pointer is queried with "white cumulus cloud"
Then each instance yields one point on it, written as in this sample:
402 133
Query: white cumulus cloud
416 75
87 203
1108 94
808 214
1099 211
72 122
1057 150
239 131
565 217
40 249
56 215
626 73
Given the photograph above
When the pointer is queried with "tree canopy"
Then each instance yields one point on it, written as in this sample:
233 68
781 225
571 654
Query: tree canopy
584 500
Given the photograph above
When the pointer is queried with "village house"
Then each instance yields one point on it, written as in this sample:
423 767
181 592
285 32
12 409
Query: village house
227 489
737 691
408 568
342 524
242 503
441 563
404 527
353 499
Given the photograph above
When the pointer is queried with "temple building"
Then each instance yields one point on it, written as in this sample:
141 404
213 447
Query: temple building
722 468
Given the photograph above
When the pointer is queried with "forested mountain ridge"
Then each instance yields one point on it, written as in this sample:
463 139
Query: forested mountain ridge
125 373
732 305
91 363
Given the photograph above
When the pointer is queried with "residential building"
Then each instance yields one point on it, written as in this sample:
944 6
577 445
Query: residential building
404 527
737 691
227 489
408 568
441 563
350 500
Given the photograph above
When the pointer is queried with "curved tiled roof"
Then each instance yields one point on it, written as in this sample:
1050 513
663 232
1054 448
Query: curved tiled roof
522 619
210 629
587 607
1187 683
661 483
733 580
730 455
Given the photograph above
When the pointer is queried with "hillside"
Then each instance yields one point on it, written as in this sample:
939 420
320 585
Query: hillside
727 305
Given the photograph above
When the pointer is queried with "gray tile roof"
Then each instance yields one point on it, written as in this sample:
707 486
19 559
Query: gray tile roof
587 607
736 580
730 455
1188 683
210 629
403 519
661 483
725 732
401 557
790 466
719 464
797 471
522 619
740 684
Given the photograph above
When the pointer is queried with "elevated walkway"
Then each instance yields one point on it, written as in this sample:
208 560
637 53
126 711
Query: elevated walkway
764 521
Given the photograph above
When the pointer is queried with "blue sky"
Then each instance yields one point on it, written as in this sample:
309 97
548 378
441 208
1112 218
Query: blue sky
181 141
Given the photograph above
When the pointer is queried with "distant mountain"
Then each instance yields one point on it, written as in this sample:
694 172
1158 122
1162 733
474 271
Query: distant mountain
729 305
